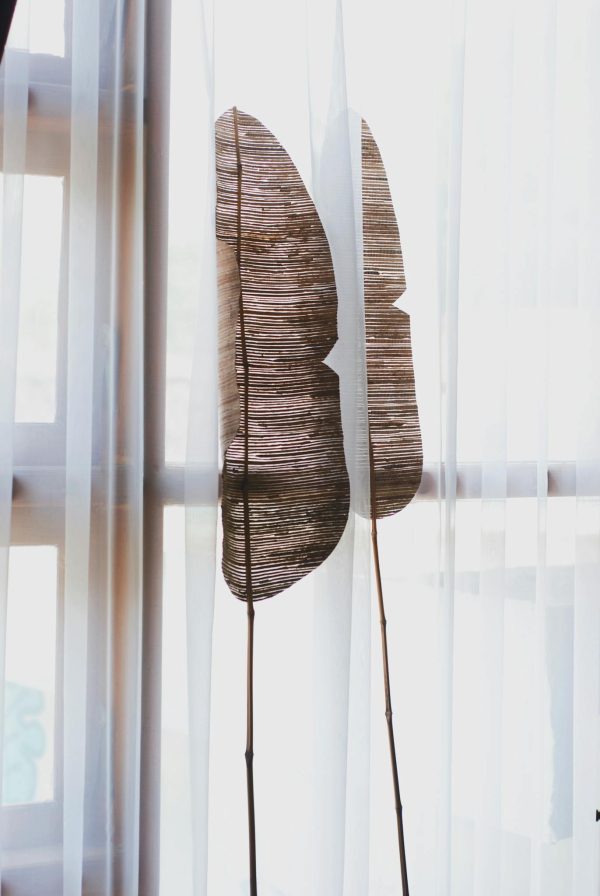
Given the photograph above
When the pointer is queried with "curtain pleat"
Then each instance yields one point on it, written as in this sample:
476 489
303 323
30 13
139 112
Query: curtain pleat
202 459
83 212
586 623
14 148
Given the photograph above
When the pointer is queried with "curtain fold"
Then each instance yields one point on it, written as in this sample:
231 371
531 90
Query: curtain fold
72 120
124 773
14 147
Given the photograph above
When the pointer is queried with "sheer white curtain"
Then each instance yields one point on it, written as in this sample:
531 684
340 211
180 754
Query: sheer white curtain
71 390
484 118
123 651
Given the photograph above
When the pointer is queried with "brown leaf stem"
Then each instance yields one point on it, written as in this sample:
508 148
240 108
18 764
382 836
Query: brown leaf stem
386 676
249 754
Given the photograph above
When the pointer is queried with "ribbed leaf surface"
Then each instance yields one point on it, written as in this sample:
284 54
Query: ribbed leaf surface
392 407
297 497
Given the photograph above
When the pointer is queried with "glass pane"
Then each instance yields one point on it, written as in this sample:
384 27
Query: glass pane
29 693
518 371
38 321
180 344
189 174
47 27
175 808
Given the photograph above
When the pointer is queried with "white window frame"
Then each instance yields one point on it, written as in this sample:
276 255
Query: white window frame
31 831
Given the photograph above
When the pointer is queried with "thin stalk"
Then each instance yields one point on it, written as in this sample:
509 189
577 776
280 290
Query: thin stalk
386 675
249 754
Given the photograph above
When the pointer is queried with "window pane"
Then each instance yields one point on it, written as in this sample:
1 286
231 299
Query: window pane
180 346
29 692
38 321
175 809
190 173
517 371
47 27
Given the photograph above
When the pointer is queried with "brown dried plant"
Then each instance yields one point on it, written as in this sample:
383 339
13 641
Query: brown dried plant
285 484
286 493
395 451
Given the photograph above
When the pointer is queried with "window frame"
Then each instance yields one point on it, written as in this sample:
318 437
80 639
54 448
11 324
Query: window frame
30 830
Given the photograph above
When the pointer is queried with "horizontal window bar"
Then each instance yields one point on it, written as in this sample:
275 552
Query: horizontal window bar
45 486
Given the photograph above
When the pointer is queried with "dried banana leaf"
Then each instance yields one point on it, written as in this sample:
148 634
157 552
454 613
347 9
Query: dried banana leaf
397 457
284 473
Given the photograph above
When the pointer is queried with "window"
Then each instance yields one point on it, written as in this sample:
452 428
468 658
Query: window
65 701
32 766
119 665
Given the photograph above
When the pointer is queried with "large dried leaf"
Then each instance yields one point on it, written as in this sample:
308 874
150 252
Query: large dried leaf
228 284
297 486
397 457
